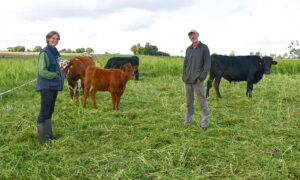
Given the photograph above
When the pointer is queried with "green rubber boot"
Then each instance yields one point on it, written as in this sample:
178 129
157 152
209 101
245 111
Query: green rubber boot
49 130
42 133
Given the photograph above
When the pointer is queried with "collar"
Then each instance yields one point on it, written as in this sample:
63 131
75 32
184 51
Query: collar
199 44
53 50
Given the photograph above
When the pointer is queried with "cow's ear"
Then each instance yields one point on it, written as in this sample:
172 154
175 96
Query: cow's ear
274 62
135 68
123 68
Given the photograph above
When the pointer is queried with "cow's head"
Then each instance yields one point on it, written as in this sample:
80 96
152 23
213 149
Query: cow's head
63 64
65 71
128 69
266 63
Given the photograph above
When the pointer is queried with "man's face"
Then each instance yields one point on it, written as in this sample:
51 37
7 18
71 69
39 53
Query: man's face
193 37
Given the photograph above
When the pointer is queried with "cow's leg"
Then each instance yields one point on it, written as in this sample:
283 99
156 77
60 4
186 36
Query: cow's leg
209 83
82 84
217 84
85 94
94 97
249 89
78 88
113 99
118 97
136 73
71 90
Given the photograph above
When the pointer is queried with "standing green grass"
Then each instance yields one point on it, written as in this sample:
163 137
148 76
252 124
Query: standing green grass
248 138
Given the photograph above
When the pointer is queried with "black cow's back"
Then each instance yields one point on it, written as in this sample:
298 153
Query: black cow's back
237 68
117 62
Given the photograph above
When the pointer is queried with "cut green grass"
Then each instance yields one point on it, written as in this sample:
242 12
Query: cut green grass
254 138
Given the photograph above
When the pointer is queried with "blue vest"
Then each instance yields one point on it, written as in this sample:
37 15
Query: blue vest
51 84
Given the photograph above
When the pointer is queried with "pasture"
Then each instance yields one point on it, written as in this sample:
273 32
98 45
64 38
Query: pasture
247 138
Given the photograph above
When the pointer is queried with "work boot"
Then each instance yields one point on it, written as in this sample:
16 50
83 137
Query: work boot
42 132
49 130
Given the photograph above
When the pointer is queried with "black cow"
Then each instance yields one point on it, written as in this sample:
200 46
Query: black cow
117 62
238 68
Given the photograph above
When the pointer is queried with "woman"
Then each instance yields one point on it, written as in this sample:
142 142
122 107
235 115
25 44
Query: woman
49 81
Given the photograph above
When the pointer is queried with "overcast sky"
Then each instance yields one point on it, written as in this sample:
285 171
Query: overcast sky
114 26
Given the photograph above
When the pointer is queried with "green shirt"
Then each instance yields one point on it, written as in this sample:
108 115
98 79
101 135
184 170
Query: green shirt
44 66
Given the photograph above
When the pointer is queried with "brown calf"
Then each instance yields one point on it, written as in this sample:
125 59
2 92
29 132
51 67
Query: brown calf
112 80
75 72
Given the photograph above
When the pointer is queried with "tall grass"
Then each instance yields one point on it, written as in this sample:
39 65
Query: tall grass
287 67
254 138
15 72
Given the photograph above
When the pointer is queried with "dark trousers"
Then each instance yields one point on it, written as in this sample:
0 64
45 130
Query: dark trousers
48 98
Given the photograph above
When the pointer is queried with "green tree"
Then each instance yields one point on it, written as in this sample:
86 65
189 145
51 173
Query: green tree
80 50
257 53
69 51
285 55
149 49
63 50
18 49
134 49
10 49
232 53
140 49
294 49
37 49
251 53
89 50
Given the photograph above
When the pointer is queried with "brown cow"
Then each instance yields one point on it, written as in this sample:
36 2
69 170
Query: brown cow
112 80
63 64
75 72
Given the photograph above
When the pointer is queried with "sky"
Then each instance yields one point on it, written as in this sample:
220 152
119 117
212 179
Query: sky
113 26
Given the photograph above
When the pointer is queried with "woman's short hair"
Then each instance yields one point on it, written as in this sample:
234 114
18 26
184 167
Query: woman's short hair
50 34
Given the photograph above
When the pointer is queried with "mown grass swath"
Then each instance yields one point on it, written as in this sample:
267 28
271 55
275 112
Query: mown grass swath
247 138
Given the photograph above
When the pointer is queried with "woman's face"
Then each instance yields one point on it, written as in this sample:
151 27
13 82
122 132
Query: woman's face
53 41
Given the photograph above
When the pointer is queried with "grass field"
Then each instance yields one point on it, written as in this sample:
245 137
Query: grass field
256 138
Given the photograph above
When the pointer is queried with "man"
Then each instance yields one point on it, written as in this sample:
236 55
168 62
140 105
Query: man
195 69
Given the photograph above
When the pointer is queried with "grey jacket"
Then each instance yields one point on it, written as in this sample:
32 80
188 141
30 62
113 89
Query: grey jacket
196 64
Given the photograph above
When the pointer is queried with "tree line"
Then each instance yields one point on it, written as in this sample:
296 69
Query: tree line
294 52
152 50
39 48
149 49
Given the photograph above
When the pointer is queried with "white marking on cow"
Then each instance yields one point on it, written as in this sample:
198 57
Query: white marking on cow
63 63
78 85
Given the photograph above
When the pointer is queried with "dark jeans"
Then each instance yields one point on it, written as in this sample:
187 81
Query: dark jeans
48 98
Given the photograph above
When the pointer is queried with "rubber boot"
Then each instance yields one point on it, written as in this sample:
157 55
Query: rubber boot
49 130
42 132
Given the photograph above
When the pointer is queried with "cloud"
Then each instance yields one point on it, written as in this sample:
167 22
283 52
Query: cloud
267 26
36 10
